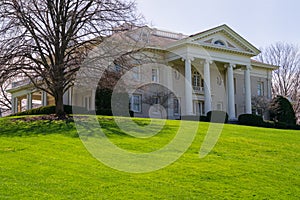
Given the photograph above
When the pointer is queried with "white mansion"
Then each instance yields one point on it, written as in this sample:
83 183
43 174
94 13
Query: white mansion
212 70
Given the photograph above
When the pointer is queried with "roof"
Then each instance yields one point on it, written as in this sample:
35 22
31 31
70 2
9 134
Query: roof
261 64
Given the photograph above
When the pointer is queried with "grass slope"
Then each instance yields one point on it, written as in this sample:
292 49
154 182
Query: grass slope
45 160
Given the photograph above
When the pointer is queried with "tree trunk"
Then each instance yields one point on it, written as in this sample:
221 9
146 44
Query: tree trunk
59 105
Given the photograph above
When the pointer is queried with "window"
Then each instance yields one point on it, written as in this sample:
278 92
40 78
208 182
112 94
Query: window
196 79
260 88
219 42
177 74
235 110
197 82
199 107
220 106
87 101
257 111
136 73
136 103
155 100
117 68
234 82
176 106
154 75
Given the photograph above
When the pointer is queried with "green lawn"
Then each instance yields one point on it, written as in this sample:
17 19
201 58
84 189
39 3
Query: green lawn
47 160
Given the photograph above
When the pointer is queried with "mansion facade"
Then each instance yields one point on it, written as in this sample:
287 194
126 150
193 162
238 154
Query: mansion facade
210 70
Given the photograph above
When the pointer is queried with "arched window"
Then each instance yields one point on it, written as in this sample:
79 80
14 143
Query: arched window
219 42
196 79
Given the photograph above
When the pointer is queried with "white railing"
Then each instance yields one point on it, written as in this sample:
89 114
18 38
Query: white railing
198 90
168 34
20 83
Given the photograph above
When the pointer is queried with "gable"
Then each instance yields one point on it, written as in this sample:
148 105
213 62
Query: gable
224 38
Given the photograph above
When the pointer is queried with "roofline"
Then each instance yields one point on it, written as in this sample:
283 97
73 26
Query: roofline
263 65
224 26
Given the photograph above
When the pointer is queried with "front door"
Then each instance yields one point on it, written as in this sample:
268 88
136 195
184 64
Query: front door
199 107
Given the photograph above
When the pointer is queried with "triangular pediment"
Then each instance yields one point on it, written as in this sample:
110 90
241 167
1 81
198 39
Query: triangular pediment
224 38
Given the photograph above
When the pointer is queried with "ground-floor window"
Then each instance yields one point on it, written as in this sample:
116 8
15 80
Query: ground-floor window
87 101
199 107
176 106
220 106
136 103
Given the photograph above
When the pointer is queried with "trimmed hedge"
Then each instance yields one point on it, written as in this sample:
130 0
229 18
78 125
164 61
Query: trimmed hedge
217 116
194 118
250 120
255 120
106 112
47 110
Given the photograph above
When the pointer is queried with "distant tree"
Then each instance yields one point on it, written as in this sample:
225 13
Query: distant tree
260 103
47 40
286 80
281 110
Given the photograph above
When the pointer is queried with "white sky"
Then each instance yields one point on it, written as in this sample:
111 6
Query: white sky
261 22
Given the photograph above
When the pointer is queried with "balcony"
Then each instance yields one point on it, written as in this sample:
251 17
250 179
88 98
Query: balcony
20 83
198 90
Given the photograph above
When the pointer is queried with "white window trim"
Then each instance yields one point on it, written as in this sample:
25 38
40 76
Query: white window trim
157 75
136 73
140 103
87 100
176 113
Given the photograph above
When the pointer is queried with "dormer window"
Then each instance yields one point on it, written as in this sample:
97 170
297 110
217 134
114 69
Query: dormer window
219 42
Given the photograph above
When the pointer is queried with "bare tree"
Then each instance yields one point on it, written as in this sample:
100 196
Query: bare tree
286 80
261 104
47 40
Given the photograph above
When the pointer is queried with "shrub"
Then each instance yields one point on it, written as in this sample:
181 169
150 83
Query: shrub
217 116
282 125
203 118
282 111
47 110
106 112
251 120
194 118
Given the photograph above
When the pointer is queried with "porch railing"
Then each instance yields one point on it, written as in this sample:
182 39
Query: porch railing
198 90
20 83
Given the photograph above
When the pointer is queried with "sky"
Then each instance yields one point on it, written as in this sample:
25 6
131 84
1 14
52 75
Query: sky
261 22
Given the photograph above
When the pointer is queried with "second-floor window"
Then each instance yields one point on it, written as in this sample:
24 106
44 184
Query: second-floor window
136 103
136 73
155 77
196 79
260 88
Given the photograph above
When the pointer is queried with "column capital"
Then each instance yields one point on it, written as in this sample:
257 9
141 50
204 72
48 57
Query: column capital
208 61
188 58
249 67
230 65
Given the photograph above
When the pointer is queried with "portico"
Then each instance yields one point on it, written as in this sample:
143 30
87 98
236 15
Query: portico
229 87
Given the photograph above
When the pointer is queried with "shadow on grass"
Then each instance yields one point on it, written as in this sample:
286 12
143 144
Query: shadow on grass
20 128
10 127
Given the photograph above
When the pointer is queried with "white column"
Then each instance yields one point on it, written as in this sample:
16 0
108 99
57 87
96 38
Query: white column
248 90
93 99
44 98
29 101
13 104
207 87
230 91
16 105
70 91
188 87
269 84
169 78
